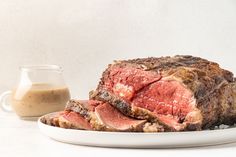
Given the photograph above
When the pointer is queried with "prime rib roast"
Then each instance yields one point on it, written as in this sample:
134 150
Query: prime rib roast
180 93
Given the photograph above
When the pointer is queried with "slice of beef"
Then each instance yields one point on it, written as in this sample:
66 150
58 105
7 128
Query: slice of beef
52 118
87 110
115 120
73 120
180 92
67 119
104 117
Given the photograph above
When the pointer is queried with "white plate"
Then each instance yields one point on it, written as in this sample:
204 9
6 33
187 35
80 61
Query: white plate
139 140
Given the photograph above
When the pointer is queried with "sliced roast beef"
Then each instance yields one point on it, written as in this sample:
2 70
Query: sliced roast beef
67 119
52 118
73 120
104 117
87 110
115 120
180 92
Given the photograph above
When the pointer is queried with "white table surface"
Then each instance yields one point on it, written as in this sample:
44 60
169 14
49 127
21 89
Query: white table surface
20 138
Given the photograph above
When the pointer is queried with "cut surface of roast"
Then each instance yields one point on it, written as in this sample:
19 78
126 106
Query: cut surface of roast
180 92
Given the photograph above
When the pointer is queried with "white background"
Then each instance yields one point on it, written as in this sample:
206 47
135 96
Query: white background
83 36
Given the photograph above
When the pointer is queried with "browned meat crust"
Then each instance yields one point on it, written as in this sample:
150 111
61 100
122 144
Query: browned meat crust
212 87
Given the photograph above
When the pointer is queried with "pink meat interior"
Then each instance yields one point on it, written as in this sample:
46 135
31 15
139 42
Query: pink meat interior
77 120
126 81
113 118
165 98
168 99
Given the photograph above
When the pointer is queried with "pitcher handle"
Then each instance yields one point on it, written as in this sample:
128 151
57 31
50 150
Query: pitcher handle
3 101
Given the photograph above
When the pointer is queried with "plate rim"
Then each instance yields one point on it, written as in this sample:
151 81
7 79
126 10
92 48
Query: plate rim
139 139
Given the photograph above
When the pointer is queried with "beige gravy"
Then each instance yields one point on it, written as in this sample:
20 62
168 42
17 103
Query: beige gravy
39 99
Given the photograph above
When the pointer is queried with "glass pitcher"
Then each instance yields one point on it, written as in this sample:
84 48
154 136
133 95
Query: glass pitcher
41 89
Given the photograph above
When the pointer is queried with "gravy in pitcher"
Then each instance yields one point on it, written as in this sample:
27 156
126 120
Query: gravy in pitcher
38 99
